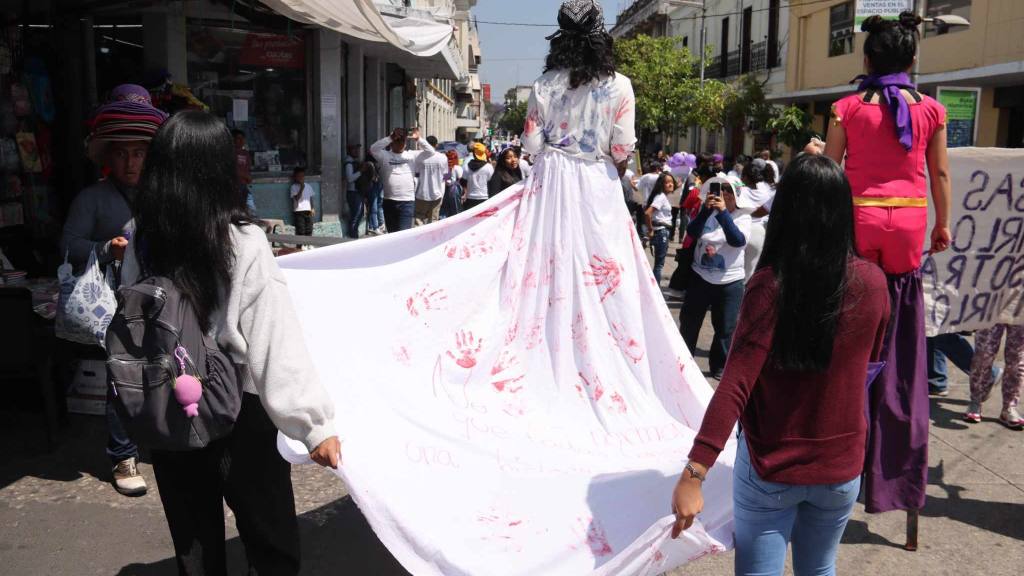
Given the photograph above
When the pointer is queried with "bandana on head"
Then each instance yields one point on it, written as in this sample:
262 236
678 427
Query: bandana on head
579 17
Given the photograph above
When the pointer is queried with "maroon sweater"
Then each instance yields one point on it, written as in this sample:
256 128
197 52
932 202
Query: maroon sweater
802 427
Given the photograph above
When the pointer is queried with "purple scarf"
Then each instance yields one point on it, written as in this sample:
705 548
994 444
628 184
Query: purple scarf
889 87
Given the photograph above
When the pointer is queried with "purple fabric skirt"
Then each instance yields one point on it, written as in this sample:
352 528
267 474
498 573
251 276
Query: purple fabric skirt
896 470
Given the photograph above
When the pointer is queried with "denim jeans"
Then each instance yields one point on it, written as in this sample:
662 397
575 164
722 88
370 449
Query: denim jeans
398 215
119 446
770 515
952 346
660 245
375 208
354 199
724 301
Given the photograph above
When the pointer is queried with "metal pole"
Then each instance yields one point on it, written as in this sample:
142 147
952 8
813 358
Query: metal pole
919 10
703 40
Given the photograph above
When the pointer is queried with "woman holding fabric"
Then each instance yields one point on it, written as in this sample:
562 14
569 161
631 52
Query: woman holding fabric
888 133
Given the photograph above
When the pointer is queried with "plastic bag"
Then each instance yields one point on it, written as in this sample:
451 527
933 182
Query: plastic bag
86 303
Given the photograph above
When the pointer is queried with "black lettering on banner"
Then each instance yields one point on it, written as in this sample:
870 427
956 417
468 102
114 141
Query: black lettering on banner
967 197
982 259
997 304
1020 199
1003 268
929 274
963 309
957 235
1017 275
956 270
944 300
1005 189
992 236
979 304
1011 237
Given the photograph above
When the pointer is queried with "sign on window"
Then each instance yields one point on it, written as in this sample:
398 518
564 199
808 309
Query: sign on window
961 115
889 9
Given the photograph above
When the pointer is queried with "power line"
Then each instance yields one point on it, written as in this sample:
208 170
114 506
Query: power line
682 19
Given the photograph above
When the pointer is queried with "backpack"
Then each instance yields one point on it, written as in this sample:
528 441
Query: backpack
172 385
367 178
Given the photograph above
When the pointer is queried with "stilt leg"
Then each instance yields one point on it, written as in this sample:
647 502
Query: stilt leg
912 518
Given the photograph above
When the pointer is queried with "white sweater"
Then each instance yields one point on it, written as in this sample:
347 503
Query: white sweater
256 324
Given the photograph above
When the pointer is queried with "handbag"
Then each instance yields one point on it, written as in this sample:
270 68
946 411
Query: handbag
86 303
684 256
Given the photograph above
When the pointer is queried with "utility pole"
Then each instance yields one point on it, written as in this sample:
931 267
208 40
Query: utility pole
703 50
919 10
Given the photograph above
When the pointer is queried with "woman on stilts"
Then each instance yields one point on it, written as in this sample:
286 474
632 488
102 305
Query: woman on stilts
888 133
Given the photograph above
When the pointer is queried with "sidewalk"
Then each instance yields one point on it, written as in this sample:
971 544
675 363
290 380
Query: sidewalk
60 516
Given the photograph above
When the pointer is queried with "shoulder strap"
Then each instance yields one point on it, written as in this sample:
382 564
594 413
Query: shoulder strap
870 95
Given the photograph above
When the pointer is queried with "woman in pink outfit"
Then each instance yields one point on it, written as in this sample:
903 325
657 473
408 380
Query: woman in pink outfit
889 134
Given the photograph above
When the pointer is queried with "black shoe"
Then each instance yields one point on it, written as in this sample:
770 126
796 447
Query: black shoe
942 392
717 375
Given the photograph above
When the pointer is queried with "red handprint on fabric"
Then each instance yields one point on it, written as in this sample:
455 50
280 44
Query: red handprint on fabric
579 332
425 301
606 274
468 250
618 402
506 372
466 347
592 388
536 334
629 346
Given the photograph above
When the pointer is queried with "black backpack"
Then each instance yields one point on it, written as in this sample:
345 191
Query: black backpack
154 321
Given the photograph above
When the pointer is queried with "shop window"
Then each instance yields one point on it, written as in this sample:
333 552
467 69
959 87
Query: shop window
256 82
841 29
774 11
724 62
946 8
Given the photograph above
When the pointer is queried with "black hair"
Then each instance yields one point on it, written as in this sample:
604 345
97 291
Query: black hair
298 169
183 217
659 187
236 133
891 44
808 246
432 140
756 172
583 48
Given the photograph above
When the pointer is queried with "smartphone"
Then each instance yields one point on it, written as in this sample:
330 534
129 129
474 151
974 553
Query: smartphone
716 189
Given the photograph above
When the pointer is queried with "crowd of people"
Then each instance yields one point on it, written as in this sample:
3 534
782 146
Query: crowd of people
810 272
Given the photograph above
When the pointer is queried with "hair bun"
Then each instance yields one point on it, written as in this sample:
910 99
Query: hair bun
910 21
876 23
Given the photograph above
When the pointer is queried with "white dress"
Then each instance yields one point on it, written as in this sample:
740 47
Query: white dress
512 393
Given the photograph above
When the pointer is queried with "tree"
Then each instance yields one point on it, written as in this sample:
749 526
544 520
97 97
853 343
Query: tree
514 118
792 126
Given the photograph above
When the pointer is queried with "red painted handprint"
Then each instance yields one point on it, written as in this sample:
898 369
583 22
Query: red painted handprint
468 250
506 372
536 334
606 274
425 300
629 346
594 388
402 356
467 347
512 333
618 402
579 333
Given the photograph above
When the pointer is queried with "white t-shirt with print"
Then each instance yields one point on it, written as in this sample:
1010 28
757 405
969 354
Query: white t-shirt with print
714 259
662 215
476 181
645 184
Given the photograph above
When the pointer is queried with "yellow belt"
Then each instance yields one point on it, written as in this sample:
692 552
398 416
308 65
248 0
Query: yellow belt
865 202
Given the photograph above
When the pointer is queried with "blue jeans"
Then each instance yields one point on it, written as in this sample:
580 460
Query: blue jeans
354 199
119 446
724 301
956 348
398 215
770 515
660 245
375 208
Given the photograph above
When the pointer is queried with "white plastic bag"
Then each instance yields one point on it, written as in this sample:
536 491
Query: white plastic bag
86 304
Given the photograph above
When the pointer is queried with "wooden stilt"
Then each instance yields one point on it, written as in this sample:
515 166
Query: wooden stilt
912 518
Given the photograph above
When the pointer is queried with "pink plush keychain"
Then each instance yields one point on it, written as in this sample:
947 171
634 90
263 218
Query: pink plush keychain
187 389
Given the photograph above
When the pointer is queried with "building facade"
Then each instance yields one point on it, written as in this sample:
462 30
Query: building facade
741 37
437 97
470 120
985 59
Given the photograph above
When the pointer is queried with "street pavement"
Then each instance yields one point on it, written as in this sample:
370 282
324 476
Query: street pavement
60 516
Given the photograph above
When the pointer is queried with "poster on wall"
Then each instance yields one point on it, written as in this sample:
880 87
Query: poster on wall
962 109
889 9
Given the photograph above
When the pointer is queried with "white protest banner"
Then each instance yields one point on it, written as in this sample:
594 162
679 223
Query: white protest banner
512 393
888 9
979 281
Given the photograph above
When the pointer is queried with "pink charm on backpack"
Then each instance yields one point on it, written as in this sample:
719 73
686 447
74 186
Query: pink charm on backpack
187 389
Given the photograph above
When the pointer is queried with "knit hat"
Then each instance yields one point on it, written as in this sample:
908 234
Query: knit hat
479 151
129 116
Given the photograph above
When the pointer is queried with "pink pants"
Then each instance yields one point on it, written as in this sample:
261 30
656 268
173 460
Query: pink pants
893 238
986 346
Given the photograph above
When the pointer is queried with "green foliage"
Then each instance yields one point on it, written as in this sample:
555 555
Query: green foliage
514 118
792 126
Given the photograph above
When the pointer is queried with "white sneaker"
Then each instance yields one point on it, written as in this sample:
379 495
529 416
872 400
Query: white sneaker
127 479
677 294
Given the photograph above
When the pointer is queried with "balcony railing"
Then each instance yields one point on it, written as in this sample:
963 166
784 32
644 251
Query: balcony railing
734 65
466 112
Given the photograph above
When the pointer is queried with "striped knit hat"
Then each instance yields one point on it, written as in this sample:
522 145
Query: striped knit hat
129 116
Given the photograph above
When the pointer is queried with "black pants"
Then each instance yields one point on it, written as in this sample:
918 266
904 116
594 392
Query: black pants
246 470
724 301
303 223
471 203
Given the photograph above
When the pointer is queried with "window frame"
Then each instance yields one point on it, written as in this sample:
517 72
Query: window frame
841 32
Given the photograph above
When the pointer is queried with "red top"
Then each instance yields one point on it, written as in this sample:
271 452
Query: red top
876 163
802 427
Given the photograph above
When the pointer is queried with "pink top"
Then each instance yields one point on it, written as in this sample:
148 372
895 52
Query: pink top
876 163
